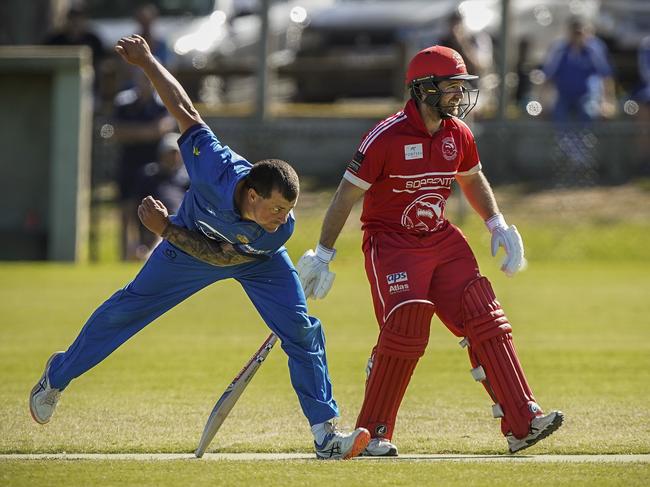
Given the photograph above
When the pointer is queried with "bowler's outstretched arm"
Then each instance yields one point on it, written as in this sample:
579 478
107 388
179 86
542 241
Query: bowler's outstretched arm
134 50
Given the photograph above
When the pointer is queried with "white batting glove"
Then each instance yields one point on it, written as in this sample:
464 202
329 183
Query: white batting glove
507 237
313 271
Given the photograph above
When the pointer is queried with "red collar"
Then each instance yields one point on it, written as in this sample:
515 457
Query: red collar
415 119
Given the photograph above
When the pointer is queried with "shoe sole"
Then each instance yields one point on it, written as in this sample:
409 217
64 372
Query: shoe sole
392 452
359 445
37 386
548 431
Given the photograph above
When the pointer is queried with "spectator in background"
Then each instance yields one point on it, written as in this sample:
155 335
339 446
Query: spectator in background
642 97
146 16
140 120
165 179
642 94
579 69
76 32
523 69
476 50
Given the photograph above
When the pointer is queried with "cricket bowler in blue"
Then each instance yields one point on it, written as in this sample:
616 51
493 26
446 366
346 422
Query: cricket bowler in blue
233 223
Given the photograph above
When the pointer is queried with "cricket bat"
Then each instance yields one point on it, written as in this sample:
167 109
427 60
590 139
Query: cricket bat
230 396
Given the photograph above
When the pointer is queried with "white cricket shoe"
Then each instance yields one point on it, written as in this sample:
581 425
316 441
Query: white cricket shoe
380 447
43 398
341 446
540 428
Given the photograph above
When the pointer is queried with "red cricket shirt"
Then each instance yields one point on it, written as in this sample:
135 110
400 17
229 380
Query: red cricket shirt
408 173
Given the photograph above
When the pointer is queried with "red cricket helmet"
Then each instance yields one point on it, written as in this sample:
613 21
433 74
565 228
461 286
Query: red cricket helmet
438 62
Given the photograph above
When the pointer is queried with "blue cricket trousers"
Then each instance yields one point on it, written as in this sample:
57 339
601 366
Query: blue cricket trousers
169 277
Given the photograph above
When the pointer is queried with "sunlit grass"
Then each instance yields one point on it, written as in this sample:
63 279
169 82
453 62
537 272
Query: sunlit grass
580 317
354 473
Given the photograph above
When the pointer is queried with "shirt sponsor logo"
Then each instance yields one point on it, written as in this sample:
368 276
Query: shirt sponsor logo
355 163
242 238
211 232
397 282
430 181
398 288
449 151
425 214
251 250
413 151
397 277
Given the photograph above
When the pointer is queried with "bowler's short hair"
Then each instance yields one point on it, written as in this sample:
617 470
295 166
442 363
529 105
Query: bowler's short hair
273 174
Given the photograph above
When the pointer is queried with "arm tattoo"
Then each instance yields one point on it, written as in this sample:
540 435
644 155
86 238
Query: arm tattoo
205 249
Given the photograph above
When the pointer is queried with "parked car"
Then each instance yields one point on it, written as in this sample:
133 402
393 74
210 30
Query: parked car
239 53
360 48
208 37
190 29
186 26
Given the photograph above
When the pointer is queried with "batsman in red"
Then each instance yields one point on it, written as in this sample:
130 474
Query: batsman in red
418 263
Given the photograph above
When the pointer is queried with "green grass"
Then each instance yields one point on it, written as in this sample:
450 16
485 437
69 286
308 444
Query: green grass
356 473
580 317
583 341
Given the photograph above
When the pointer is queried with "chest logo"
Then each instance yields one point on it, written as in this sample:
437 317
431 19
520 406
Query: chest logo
449 151
211 232
196 151
425 214
243 238
413 151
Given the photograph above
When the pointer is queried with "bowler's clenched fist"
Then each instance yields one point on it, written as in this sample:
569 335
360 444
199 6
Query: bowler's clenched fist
154 215
133 49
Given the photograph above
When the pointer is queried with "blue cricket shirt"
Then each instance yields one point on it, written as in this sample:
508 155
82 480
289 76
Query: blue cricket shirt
209 204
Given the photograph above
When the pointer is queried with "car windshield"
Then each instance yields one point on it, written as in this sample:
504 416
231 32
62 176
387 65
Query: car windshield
99 9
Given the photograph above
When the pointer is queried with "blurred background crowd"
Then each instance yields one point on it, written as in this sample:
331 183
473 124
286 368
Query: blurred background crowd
564 84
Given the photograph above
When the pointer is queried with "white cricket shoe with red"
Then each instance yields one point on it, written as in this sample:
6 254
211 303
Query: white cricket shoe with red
540 428
341 446
380 447
43 398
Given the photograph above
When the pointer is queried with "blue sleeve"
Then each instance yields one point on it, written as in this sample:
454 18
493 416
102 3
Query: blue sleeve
644 60
599 57
554 58
206 159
